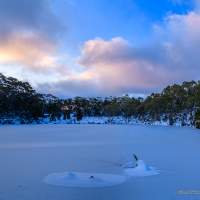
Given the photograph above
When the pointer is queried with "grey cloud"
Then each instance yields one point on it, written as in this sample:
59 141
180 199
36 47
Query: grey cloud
28 15
83 88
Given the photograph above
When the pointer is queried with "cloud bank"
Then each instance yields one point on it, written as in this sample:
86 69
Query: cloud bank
29 40
116 67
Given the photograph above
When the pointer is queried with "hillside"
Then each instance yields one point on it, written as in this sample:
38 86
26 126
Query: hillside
176 104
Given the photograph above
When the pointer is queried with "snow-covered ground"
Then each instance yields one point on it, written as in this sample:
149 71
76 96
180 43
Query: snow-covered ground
119 120
116 120
29 153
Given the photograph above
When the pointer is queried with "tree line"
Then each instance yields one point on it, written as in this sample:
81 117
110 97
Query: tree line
19 101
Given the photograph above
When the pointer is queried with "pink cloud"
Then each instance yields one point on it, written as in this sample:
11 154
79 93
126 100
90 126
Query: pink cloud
28 50
116 64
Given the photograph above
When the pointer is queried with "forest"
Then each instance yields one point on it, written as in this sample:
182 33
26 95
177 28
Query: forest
20 102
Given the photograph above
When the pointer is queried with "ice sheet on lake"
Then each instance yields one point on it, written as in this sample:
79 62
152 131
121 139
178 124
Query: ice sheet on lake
77 179
23 169
141 170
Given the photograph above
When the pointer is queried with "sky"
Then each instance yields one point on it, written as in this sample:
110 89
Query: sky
100 47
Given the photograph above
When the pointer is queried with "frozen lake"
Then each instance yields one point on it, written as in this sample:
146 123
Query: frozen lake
30 153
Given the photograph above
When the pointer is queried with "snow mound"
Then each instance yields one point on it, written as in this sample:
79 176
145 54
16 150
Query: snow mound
90 180
93 180
140 170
